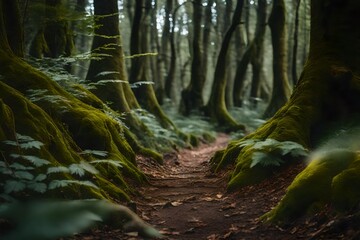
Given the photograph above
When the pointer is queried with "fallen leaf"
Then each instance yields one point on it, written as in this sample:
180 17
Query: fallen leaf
176 203
167 231
219 195
213 237
194 220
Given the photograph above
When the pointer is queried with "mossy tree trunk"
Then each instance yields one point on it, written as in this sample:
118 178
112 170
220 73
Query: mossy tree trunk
54 37
192 97
257 58
281 89
108 74
254 54
327 93
65 125
140 66
216 107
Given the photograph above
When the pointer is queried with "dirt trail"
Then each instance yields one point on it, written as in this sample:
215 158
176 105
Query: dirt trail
186 201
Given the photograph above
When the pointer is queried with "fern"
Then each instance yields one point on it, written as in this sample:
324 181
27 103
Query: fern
265 160
80 168
65 183
38 162
37 187
14 186
24 142
18 166
107 161
95 153
271 151
58 169
23 175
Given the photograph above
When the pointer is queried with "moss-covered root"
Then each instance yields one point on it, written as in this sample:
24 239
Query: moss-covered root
331 177
131 139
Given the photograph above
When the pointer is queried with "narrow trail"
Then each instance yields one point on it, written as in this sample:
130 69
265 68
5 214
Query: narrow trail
186 201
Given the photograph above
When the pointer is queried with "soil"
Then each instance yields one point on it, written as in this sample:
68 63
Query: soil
185 200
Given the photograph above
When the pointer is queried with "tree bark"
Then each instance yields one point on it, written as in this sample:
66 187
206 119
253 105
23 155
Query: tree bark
216 107
295 47
257 58
191 97
327 93
281 89
144 92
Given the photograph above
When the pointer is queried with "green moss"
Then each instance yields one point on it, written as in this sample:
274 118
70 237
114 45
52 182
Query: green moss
66 126
345 189
249 177
312 186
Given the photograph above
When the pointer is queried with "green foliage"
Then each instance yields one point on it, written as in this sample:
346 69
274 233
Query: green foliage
271 151
51 220
164 138
24 142
42 220
24 174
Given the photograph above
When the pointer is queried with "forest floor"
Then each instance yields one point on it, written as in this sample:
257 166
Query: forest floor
184 200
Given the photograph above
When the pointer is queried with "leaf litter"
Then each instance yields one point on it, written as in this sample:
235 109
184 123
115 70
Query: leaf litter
185 200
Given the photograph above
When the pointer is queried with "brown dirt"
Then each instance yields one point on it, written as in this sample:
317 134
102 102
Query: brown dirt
186 201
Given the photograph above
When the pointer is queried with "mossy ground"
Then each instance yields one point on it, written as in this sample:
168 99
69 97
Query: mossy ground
66 126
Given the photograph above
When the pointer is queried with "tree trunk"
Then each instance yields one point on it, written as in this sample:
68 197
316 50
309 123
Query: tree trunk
327 93
191 97
66 126
253 54
295 47
140 66
281 88
54 38
216 107
257 58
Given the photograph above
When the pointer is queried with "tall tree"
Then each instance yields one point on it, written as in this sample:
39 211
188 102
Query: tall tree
295 47
140 67
326 95
66 125
54 37
108 74
216 106
257 57
192 97
170 77
281 89
254 54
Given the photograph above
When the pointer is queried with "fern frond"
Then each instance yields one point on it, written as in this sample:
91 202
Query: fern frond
13 186
107 161
23 175
38 162
58 169
37 187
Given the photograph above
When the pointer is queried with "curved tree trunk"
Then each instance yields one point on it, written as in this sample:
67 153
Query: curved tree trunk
140 66
54 38
253 54
66 126
326 94
216 107
191 97
281 88
257 58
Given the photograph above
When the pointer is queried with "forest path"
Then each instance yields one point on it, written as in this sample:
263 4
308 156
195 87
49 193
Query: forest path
186 201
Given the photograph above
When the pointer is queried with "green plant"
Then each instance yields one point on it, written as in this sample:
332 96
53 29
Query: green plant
270 151
40 220
30 172
53 219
